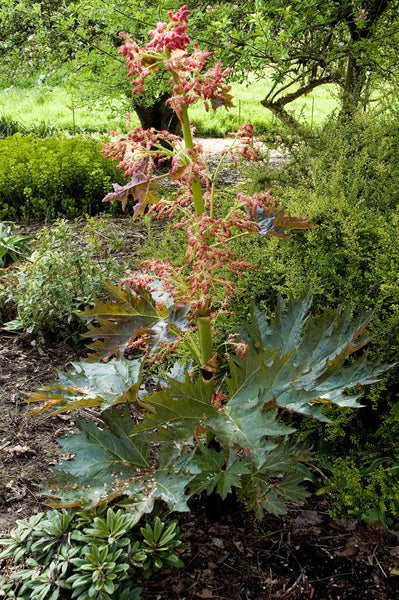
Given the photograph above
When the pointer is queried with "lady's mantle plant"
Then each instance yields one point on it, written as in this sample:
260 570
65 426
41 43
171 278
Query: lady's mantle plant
234 399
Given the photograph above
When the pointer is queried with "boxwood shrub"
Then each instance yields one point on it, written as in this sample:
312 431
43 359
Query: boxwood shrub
42 179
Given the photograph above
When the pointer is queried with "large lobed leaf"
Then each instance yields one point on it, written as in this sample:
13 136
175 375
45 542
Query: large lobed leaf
178 409
245 426
115 325
99 385
291 364
114 462
216 472
300 363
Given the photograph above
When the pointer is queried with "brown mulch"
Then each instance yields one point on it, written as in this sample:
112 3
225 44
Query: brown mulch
303 555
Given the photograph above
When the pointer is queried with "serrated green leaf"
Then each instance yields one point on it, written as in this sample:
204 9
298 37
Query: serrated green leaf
265 489
281 333
109 465
297 364
130 314
99 385
178 410
216 473
100 454
293 327
210 463
245 423
170 486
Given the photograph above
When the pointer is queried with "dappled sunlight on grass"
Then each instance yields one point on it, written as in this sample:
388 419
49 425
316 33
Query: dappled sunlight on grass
58 107
312 109
64 110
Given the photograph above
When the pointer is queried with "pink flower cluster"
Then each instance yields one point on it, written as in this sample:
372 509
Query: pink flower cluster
190 84
218 400
167 38
245 144
208 258
173 37
240 347
261 200
139 280
137 146
169 47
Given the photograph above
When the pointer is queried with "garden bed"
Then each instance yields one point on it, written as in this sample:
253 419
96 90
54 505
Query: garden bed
305 554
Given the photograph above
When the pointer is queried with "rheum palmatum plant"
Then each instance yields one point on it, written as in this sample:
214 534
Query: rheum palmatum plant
217 423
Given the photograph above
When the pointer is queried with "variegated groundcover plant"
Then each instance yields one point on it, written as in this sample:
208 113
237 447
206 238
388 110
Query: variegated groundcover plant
217 422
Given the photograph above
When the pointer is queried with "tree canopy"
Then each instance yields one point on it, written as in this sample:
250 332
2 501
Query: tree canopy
294 46
302 44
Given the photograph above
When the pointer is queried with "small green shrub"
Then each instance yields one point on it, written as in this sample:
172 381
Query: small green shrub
348 185
59 278
49 178
9 126
94 555
368 493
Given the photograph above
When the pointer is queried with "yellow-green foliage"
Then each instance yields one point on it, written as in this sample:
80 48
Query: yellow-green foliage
48 178
348 184
369 494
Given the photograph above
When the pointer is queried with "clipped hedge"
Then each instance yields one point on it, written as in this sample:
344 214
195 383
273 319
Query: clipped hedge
42 179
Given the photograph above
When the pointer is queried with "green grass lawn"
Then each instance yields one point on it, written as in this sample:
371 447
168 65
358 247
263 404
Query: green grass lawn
312 110
58 108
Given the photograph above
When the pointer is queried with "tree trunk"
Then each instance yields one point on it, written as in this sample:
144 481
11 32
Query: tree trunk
355 79
356 73
284 116
159 115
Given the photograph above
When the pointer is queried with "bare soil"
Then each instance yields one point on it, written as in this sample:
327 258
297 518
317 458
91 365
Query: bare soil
304 555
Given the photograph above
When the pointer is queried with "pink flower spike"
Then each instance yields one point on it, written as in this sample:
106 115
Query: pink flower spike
182 15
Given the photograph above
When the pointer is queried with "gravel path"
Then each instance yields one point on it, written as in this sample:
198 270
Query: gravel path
233 176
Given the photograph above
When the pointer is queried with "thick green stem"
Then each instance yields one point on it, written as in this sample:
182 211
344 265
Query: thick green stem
199 203
205 337
204 323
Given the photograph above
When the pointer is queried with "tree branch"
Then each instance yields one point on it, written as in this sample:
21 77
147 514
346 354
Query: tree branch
277 107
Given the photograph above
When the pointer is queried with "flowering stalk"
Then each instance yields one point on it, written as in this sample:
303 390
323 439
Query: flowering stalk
210 263
196 184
